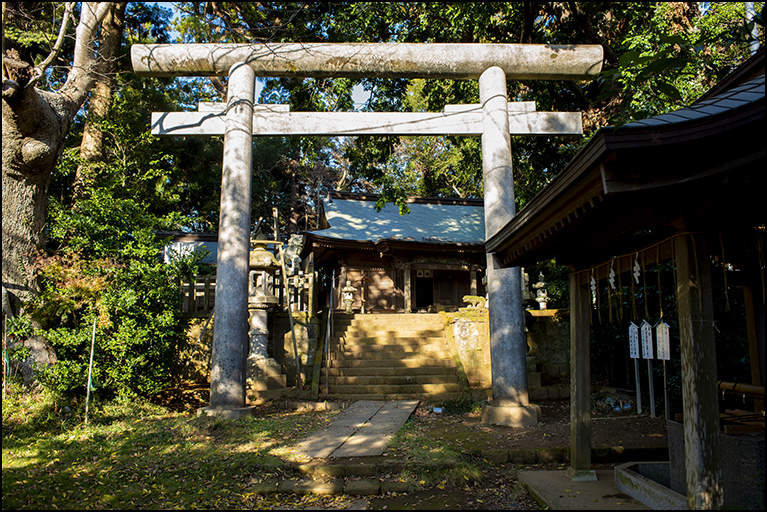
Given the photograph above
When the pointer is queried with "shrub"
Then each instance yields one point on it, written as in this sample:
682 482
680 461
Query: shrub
122 285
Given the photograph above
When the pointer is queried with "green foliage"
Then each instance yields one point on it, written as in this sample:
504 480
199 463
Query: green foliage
19 327
137 303
674 57
109 267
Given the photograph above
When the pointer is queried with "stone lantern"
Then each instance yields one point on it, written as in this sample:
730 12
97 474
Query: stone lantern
348 296
262 372
540 290
261 296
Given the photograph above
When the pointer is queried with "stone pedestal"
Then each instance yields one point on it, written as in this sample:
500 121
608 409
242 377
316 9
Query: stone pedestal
263 374
501 412
258 334
306 326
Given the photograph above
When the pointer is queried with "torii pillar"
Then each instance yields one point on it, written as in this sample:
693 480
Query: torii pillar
228 351
508 343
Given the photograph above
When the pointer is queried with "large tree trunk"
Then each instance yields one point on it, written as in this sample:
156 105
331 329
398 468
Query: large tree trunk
92 145
33 135
35 125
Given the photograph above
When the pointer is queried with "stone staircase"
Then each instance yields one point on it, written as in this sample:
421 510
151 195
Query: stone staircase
391 357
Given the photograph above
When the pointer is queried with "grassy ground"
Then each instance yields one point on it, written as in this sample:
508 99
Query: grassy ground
138 455
449 467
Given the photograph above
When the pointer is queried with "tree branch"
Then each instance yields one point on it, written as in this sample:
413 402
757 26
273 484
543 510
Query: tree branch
526 37
82 75
583 20
40 68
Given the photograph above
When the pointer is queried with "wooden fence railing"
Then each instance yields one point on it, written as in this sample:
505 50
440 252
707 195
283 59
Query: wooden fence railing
199 296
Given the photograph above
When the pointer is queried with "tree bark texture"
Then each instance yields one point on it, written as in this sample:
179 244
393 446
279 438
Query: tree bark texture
35 125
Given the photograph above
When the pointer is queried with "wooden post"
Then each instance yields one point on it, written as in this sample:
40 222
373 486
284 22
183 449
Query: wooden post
185 292
755 328
699 381
193 295
410 299
580 382
206 300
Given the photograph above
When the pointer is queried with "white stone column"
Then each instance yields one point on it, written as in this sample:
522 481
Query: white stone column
230 333
508 344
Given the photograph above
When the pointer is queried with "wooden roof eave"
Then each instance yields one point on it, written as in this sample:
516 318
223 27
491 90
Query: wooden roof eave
536 232
396 246
556 205
331 245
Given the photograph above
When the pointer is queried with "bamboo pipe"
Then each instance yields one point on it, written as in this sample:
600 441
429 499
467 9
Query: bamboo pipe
740 387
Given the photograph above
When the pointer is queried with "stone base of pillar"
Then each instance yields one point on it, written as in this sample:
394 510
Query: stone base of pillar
581 475
233 413
511 415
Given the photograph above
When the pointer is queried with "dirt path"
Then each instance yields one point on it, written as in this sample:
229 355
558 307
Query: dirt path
467 432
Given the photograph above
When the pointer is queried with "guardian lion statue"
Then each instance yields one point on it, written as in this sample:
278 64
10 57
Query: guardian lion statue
474 301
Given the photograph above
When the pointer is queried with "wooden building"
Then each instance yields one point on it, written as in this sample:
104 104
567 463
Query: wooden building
427 260
687 187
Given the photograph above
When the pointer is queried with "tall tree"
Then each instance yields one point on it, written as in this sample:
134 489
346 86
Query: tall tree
35 126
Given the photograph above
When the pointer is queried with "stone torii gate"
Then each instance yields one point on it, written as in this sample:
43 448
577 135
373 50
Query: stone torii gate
495 119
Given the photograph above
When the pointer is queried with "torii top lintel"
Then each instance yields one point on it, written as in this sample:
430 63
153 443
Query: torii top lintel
368 60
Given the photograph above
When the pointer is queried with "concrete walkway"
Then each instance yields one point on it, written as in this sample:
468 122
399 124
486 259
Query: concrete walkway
558 492
362 430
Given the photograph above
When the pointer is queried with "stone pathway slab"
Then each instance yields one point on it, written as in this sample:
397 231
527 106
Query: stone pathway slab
364 429
372 438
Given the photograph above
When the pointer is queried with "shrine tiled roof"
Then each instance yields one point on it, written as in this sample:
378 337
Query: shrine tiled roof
732 99
354 218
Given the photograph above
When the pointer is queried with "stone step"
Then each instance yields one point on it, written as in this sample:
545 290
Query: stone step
421 355
268 382
388 332
402 321
379 372
392 396
394 340
352 389
394 380
399 348
392 325
411 362
260 396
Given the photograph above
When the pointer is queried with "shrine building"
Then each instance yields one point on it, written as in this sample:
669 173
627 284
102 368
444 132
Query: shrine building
423 261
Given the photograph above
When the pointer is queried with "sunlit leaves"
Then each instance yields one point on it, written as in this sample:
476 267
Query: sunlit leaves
672 57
